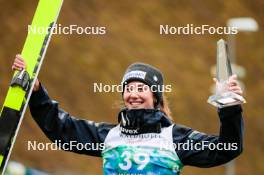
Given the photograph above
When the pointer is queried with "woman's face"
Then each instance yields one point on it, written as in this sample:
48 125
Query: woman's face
138 95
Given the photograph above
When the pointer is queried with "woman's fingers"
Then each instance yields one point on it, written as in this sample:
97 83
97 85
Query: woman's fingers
239 92
232 84
18 60
19 56
19 63
232 81
234 88
18 66
233 78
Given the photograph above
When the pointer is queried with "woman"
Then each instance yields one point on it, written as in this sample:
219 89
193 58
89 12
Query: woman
145 140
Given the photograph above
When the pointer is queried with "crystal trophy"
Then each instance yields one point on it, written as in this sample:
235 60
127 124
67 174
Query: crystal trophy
223 97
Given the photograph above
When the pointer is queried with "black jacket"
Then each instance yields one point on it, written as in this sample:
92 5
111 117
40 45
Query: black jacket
59 125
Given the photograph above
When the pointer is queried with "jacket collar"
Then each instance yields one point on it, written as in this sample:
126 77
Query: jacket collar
139 121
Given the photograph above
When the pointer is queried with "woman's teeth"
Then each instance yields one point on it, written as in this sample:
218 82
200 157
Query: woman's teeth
136 103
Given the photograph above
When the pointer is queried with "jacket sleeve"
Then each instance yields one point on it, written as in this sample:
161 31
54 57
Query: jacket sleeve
216 150
85 137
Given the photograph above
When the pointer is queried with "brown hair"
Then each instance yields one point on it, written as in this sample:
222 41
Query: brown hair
164 107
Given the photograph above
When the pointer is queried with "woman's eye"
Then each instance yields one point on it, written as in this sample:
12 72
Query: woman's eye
128 89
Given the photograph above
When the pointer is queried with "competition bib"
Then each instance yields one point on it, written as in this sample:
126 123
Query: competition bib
141 154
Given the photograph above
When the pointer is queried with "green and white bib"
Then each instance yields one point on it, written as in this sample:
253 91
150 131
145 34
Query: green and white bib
142 154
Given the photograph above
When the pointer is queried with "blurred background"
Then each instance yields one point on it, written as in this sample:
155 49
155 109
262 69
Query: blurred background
74 62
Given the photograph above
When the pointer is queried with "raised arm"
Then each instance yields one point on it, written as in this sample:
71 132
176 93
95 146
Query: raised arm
227 145
59 126
223 148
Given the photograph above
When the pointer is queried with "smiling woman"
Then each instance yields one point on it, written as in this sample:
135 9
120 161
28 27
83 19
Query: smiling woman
133 145
143 88
137 96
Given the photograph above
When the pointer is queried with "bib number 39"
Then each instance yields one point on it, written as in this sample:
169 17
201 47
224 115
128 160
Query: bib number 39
141 159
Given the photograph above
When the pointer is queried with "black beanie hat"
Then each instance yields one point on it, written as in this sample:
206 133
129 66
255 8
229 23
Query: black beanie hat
147 74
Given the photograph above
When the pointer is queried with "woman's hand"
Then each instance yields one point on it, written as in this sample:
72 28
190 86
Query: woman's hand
19 64
232 85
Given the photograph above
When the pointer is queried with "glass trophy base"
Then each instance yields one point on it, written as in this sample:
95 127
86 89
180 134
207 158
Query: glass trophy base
226 99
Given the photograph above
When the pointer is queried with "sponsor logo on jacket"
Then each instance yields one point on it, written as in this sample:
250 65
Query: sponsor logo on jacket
129 131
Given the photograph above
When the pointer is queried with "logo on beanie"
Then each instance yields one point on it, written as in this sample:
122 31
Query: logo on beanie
155 78
134 74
